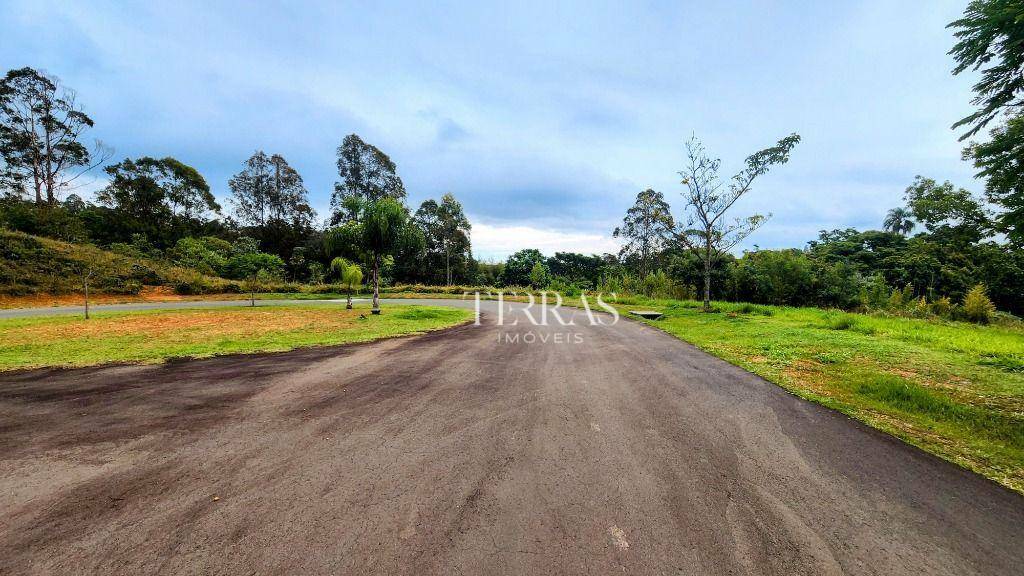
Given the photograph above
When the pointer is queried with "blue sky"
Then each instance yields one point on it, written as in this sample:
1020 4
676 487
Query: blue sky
544 120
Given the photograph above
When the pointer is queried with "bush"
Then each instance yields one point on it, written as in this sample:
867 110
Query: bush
754 309
977 306
943 308
844 322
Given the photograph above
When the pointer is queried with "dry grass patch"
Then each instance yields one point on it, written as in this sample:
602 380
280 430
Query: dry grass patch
152 336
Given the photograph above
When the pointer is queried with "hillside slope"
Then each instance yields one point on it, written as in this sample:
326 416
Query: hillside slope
35 265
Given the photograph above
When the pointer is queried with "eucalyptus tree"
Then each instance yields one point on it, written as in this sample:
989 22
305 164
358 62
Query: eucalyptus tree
708 200
367 174
446 232
41 128
268 189
647 227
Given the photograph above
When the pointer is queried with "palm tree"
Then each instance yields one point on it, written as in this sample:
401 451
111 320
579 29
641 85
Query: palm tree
898 221
350 275
382 225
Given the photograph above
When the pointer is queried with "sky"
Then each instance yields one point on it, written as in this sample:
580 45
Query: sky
545 119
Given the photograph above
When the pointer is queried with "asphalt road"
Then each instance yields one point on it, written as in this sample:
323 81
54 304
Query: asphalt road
606 450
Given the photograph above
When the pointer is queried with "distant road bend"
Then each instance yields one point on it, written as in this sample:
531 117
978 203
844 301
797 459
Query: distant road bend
610 450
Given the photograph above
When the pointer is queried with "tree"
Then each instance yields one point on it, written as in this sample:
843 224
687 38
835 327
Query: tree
288 200
990 31
647 227
898 221
519 265
538 275
91 260
707 201
149 194
367 174
382 225
271 200
1000 161
268 189
252 265
579 269
349 274
41 126
446 233
251 190
951 213
989 38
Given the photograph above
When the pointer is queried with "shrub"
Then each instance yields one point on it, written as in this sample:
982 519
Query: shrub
977 306
943 307
895 302
844 322
754 309
919 307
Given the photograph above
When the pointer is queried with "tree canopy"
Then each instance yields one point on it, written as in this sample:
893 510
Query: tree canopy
41 128
367 175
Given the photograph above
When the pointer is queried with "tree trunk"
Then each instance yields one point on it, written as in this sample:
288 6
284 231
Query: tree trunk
85 284
50 174
376 284
252 293
36 180
348 306
448 267
707 277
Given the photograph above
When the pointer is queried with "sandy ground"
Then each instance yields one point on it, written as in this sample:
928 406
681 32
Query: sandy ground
606 450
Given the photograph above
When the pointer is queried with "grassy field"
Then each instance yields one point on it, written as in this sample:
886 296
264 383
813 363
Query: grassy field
953 389
156 335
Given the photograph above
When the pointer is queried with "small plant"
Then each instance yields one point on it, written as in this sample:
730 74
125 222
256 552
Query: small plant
350 274
977 306
844 322
895 302
754 309
943 307
921 308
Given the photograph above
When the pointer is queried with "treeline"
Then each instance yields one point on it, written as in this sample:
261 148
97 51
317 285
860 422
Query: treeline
927 257
163 208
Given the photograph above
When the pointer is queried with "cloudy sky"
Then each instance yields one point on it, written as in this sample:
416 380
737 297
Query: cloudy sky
545 119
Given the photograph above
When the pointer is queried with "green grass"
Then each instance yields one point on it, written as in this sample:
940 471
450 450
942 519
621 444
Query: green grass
951 388
156 335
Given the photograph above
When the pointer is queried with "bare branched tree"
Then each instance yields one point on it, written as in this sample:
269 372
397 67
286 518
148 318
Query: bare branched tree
707 231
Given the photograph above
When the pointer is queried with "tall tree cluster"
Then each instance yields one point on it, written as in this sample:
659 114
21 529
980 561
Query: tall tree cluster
268 189
366 175
446 232
371 224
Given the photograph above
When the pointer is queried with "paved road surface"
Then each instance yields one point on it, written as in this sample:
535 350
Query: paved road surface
460 452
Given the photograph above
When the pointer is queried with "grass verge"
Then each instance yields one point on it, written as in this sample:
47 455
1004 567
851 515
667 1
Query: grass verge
951 388
156 335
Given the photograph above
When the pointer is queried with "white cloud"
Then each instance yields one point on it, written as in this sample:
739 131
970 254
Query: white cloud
496 242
